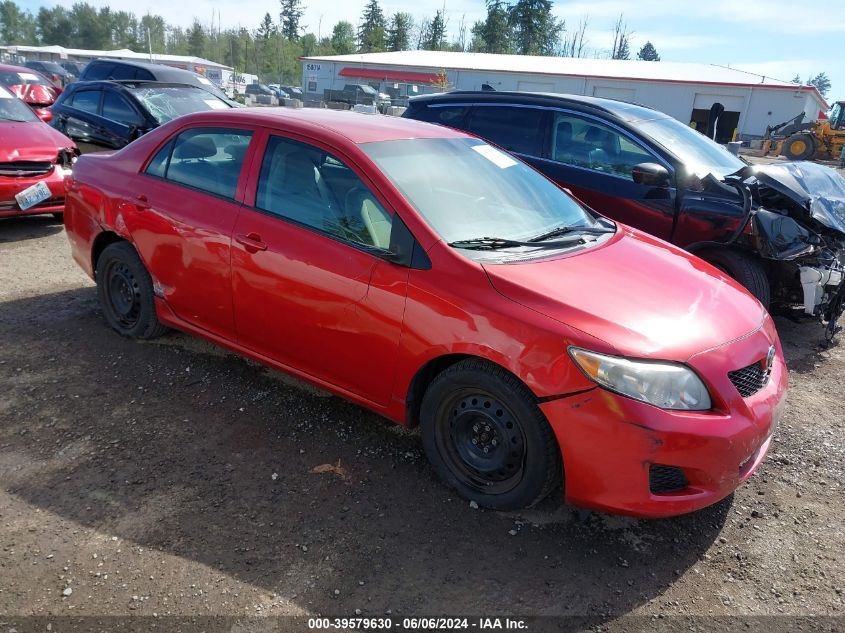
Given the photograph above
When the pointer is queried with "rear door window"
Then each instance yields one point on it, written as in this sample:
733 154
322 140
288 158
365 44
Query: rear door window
87 101
121 72
95 70
207 159
450 116
518 130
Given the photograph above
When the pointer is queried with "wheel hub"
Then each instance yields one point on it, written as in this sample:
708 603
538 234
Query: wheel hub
123 294
486 442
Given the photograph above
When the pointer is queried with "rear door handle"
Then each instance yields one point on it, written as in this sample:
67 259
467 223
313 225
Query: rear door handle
251 242
141 202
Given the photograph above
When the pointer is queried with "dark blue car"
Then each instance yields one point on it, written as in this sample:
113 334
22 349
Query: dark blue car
110 114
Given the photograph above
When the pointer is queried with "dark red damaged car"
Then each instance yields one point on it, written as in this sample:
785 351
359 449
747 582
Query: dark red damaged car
34 160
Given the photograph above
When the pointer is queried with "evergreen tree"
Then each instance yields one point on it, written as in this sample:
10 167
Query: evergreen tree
535 30
648 53
435 38
399 32
797 80
371 34
494 34
290 18
821 82
196 40
266 28
343 38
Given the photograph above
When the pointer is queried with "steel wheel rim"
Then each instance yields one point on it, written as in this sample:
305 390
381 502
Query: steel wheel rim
481 442
123 294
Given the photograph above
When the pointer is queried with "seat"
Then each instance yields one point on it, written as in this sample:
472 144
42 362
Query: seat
600 139
189 166
563 141
367 218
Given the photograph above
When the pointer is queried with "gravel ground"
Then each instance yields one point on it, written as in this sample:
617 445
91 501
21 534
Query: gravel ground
173 478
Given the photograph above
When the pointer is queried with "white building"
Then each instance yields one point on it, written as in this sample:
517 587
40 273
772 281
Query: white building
684 91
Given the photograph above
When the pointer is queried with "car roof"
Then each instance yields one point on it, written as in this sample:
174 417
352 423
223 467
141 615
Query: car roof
134 83
160 69
354 126
622 110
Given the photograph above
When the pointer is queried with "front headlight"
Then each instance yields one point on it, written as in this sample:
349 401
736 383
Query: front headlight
665 385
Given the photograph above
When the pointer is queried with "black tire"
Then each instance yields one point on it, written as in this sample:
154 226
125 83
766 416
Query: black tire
745 269
126 295
477 400
799 147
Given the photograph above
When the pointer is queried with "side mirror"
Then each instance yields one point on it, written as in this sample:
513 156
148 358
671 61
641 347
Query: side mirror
44 114
651 174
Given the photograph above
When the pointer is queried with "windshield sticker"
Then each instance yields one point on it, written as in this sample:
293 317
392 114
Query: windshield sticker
214 104
28 77
499 159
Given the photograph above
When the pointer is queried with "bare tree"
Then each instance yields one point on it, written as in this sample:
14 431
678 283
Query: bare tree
621 39
575 44
462 33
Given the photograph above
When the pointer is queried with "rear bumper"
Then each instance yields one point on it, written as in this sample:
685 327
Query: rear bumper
609 443
10 187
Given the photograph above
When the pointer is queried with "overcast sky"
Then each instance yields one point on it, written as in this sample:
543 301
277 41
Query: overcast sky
778 38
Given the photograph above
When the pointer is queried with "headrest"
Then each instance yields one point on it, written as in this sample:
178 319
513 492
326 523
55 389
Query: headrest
594 134
196 147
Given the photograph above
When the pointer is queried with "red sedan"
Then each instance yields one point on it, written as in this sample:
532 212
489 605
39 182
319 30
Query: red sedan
31 87
430 277
34 160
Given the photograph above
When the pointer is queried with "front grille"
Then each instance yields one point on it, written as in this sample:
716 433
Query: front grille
749 380
663 479
25 169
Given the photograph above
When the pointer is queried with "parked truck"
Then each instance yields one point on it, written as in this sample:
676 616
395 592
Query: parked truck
353 94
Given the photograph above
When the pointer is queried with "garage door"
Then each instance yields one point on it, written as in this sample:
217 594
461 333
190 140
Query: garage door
731 103
611 92
535 86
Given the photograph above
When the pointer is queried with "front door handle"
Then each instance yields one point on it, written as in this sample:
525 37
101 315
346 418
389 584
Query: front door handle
251 242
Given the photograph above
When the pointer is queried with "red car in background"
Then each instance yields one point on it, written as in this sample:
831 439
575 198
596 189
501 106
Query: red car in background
34 160
430 277
31 87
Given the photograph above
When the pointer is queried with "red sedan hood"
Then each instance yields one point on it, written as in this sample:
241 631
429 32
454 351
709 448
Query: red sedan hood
643 297
35 94
30 140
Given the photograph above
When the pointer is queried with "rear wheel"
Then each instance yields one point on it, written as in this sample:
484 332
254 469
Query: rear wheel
125 289
799 147
745 269
486 437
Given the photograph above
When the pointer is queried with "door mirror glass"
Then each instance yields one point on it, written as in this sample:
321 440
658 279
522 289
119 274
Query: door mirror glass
651 174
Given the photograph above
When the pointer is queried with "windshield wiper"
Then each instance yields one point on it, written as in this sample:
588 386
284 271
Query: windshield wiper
12 119
495 243
563 230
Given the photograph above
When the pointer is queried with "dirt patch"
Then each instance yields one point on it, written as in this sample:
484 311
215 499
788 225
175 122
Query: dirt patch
173 478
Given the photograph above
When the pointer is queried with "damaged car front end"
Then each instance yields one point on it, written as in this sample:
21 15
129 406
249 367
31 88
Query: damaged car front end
796 225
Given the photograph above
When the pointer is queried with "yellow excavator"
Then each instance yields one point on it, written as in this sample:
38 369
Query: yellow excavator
815 140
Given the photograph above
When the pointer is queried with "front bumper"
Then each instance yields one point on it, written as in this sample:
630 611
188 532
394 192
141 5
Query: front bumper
609 442
10 187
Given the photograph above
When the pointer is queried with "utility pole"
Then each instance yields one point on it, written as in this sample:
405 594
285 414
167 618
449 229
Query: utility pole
150 44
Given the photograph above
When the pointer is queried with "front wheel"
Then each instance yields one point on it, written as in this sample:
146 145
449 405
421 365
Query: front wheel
125 289
486 437
745 269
